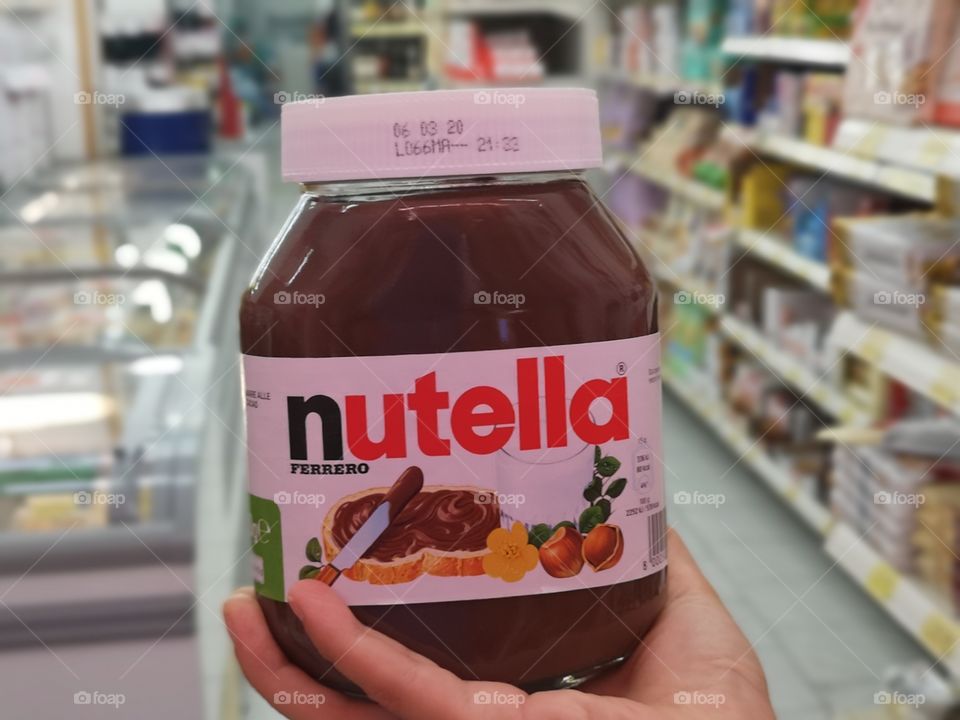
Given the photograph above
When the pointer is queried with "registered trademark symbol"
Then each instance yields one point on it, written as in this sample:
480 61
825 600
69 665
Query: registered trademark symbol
621 368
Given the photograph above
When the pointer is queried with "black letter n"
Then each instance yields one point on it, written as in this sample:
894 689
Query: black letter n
298 410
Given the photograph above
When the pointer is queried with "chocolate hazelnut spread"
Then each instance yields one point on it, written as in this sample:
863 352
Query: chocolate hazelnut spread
494 324
448 520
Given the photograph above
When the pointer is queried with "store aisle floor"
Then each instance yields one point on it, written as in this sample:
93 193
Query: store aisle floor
823 642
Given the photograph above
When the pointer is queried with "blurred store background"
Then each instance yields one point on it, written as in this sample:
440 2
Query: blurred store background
789 169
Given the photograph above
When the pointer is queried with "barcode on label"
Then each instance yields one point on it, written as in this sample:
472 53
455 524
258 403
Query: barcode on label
657 532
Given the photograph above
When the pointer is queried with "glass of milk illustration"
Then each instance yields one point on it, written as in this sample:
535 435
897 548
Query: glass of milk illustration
544 485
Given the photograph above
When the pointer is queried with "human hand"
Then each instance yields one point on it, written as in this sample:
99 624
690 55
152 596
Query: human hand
694 659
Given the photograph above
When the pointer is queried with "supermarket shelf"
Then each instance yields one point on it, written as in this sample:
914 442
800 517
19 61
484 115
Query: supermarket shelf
908 182
388 29
914 607
905 359
554 80
794 50
928 149
727 429
388 85
777 251
648 243
562 8
662 85
794 373
671 180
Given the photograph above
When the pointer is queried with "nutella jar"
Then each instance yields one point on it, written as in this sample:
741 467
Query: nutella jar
452 381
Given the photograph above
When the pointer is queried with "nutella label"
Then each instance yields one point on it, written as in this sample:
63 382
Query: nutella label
457 476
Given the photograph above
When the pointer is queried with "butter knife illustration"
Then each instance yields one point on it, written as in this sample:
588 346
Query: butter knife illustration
400 493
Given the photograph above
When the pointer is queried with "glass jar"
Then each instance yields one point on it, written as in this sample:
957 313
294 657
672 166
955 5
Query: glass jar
478 321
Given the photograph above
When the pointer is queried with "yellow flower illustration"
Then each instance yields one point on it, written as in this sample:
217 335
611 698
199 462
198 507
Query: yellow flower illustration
511 556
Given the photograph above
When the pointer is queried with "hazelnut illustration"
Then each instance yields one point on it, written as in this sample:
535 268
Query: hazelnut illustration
561 555
603 547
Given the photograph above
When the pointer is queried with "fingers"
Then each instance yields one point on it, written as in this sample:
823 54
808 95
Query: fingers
400 680
685 577
282 684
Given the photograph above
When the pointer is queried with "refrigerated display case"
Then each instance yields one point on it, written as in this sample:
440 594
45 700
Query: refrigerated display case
120 404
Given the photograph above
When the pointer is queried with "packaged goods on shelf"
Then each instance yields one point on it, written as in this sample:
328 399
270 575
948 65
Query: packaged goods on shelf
474 54
905 250
783 426
761 204
897 307
822 107
687 338
800 207
797 320
937 539
722 160
701 58
634 200
742 18
648 42
828 19
897 47
697 244
884 495
679 143
899 269
625 115
783 113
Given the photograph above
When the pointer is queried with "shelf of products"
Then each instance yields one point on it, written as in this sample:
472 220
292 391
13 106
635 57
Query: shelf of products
903 181
928 149
934 375
777 251
727 428
693 190
794 373
411 28
663 84
385 85
912 605
821 203
504 8
793 50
